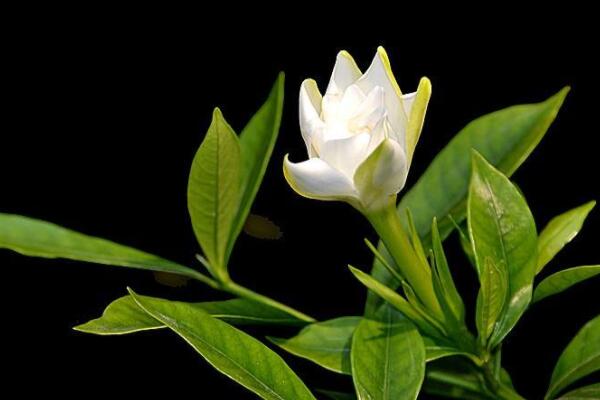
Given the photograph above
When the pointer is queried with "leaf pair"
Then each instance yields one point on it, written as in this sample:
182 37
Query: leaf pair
225 176
504 242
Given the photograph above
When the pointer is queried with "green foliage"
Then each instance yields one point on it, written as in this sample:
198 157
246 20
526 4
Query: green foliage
580 358
125 316
325 343
591 392
563 280
37 238
232 352
504 239
388 357
560 231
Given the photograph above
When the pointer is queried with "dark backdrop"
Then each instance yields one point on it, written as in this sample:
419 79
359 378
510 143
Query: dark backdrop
103 112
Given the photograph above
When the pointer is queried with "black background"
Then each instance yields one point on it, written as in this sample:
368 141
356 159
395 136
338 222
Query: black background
104 110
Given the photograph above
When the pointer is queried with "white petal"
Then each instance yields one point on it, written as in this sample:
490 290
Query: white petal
316 179
370 111
380 74
311 125
345 73
346 155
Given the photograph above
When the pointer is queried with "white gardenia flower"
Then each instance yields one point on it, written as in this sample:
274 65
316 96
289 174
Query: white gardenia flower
360 135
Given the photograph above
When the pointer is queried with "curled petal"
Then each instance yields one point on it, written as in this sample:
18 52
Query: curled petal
316 179
345 73
347 154
381 175
416 106
380 74
311 125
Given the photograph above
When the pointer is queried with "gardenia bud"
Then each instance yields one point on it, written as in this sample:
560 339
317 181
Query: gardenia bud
360 136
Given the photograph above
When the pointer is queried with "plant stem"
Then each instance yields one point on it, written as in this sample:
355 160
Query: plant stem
389 227
246 293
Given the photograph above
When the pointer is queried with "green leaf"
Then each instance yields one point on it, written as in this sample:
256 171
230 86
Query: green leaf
325 343
435 351
231 351
505 138
563 280
214 193
121 317
256 145
388 357
560 231
125 316
395 300
442 271
591 392
580 358
503 232
491 298
32 237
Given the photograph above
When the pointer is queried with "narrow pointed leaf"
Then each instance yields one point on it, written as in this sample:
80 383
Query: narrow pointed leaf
503 232
33 237
214 192
124 316
491 298
231 351
563 280
505 138
560 231
591 392
388 358
435 351
256 146
448 287
325 343
395 300
580 358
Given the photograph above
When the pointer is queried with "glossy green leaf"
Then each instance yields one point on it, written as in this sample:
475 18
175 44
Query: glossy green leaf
503 232
122 316
32 237
591 392
395 300
560 231
231 351
325 343
256 146
491 298
214 192
563 280
388 357
505 138
442 271
125 316
435 351
580 358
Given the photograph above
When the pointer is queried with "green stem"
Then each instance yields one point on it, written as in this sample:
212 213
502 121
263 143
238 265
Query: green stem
246 293
506 393
389 227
